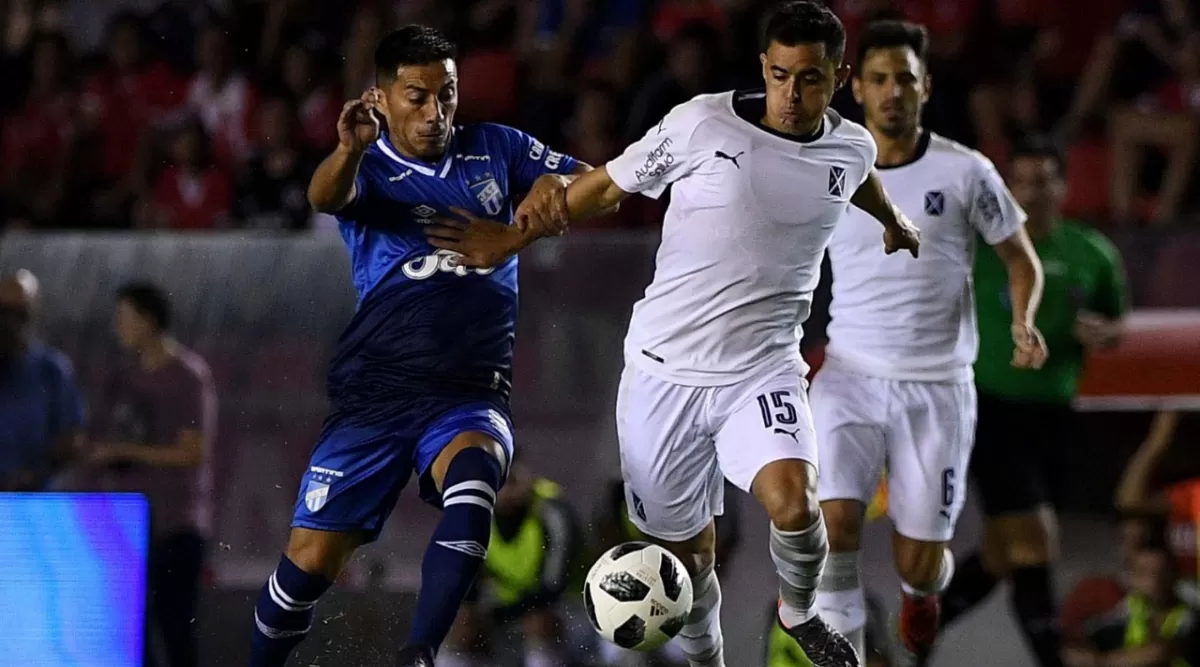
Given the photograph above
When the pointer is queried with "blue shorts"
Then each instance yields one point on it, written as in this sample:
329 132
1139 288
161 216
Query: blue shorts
362 461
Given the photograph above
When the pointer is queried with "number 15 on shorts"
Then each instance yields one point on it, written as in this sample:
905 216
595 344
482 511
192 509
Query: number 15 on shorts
779 410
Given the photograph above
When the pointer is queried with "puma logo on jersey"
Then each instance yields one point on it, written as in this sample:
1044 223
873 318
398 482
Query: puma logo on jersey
721 155
793 433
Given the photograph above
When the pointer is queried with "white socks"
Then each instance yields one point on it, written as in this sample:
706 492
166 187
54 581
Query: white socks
799 558
701 638
840 598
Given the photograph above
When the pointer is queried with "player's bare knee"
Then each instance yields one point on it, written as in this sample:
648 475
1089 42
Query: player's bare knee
322 552
918 563
787 490
844 521
699 553
461 443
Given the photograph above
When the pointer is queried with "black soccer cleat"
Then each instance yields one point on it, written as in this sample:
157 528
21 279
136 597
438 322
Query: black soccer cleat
415 656
824 646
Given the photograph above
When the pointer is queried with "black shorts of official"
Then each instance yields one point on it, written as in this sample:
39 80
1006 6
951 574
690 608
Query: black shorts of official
1019 460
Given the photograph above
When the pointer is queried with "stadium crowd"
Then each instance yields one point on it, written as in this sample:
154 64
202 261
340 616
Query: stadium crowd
209 114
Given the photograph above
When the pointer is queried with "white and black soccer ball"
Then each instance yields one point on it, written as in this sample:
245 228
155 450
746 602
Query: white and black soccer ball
638 596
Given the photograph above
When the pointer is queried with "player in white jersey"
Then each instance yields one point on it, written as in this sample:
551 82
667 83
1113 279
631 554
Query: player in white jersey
896 388
714 383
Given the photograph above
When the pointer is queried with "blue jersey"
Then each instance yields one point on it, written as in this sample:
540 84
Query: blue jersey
423 326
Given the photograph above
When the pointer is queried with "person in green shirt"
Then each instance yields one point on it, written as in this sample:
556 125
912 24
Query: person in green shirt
1025 416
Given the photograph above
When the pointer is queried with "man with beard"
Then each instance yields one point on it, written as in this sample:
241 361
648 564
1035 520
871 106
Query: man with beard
896 387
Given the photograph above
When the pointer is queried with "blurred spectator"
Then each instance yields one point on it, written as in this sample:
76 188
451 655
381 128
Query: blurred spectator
1151 628
176 27
367 25
488 71
152 435
222 96
1171 126
125 97
272 192
592 133
1142 489
40 139
193 192
317 101
41 409
690 70
674 15
303 23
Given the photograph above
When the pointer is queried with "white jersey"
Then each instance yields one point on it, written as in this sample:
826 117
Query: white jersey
901 318
750 216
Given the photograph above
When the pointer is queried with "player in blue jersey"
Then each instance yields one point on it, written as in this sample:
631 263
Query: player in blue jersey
419 380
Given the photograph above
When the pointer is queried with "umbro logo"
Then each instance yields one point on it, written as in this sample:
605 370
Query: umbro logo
468 547
423 214
837 181
935 203
721 155
793 433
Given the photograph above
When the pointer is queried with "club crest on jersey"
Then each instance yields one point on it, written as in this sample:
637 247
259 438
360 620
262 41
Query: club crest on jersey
315 495
935 202
487 193
837 181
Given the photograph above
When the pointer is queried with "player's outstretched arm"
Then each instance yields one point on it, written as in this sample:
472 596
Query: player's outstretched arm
1025 290
899 233
1134 492
332 186
592 194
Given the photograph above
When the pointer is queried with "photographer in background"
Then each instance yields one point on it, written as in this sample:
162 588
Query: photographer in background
41 408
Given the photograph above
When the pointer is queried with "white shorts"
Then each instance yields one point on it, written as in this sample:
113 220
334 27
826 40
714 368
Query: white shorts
678 441
921 431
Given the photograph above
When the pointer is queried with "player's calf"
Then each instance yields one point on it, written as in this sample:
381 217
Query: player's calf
840 597
469 473
284 612
925 570
799 547
700 638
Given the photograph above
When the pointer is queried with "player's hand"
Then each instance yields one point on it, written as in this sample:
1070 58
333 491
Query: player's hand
544 209
904 236
358 126
481 243
1029 348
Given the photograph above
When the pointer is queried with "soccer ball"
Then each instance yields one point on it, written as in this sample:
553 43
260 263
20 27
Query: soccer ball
638 596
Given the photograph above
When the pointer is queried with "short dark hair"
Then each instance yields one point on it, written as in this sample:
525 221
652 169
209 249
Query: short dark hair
891 34
411 45
804 22
148 300
1039 146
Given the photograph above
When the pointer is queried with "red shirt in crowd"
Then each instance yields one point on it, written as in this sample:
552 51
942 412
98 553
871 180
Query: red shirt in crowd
125 104
193 201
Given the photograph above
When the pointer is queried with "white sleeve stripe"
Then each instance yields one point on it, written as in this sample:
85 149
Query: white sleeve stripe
468 500
472 485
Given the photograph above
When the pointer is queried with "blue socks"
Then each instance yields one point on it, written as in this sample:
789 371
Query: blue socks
458 546
284 613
